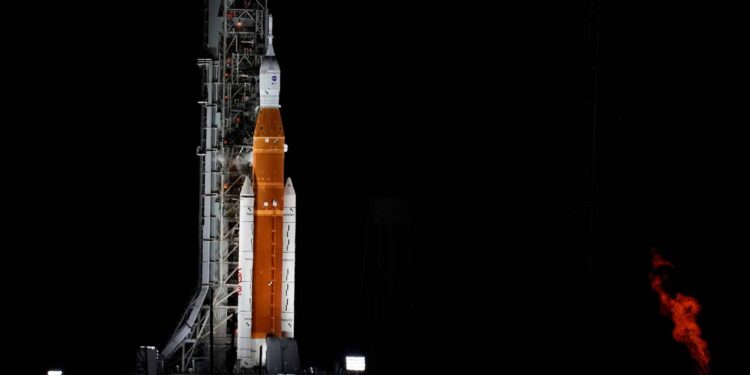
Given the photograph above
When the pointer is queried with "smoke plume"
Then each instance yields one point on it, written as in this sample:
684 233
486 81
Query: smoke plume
682 310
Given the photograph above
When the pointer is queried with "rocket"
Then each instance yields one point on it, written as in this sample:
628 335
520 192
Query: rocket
267 229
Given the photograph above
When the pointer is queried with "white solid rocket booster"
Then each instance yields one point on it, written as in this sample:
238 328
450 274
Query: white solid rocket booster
245 275
287 276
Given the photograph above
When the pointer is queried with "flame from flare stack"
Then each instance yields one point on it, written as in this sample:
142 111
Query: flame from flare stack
683 310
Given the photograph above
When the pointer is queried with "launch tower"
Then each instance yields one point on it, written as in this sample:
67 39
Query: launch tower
235 37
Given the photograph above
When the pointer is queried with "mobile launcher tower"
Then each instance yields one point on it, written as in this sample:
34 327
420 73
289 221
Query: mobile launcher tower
241 318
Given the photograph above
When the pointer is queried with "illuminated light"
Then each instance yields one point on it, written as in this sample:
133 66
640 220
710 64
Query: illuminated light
355 363
54 372
226 186
683 311
239 23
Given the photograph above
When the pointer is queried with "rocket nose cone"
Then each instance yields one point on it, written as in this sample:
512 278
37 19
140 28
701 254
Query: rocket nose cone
289 188
269 48
247 188
270 73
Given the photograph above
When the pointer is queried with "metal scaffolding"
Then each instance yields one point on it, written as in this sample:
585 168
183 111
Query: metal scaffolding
228 111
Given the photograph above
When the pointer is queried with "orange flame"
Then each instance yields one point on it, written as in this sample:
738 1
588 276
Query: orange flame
683 310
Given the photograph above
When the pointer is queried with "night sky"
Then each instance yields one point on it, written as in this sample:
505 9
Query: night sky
442 157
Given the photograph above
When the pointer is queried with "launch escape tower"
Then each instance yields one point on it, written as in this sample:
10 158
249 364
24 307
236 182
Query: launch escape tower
235 40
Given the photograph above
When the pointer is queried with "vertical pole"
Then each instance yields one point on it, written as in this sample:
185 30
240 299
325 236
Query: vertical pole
594 67
211 328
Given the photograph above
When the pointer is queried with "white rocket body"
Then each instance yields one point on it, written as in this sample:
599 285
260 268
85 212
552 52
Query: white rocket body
287 276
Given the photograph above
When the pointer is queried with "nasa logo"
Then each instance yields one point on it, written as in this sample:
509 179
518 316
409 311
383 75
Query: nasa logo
273 78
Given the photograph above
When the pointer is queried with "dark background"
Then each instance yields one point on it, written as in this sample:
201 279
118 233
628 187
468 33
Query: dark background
442 157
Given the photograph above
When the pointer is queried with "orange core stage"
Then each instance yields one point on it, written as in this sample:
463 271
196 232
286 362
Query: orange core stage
268 183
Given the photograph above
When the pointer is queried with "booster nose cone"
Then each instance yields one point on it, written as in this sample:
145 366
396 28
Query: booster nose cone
289 188
270 73
247 188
